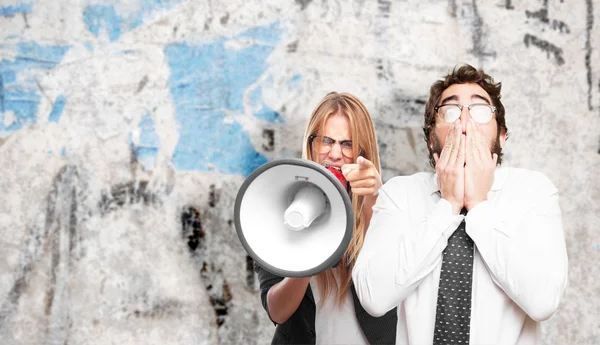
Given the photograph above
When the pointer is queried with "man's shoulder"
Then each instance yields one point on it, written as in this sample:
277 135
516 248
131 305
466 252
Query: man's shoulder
526 179
417 179
421 183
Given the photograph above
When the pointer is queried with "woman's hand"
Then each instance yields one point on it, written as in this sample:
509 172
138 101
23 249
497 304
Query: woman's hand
363 177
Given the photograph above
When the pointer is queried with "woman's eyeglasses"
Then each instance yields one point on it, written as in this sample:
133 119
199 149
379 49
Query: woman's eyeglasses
323 144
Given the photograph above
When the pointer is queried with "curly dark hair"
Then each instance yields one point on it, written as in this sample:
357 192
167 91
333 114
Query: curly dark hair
462 74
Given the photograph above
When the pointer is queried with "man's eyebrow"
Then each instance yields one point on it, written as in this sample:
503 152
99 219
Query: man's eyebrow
483 98
473 96
450 98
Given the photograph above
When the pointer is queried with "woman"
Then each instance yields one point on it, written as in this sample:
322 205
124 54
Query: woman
324 309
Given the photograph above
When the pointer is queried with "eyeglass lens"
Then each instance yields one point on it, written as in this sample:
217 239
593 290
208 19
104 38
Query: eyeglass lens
481 113
323 145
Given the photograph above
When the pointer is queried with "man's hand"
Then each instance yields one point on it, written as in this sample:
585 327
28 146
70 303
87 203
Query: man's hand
362 176
450 168
479 168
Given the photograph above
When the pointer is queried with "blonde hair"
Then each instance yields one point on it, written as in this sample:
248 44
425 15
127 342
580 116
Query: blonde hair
364 143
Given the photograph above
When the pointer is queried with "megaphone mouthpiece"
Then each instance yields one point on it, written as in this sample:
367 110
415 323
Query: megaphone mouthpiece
308 204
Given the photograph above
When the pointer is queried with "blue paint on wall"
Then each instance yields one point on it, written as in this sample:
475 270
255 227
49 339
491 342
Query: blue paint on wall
207 81
261 110
100 18
105 17
147 6
11 10
57 108
9 76
266 34
146 150
20 94
295 80
1 94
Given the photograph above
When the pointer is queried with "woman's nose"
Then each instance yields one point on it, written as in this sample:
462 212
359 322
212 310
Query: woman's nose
336 151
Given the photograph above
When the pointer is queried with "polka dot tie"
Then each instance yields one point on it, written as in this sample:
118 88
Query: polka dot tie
453 312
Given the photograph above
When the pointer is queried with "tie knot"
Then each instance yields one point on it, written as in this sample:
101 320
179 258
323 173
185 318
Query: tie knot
463 211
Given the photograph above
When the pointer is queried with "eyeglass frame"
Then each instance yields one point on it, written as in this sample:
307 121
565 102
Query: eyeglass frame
460 107
312 137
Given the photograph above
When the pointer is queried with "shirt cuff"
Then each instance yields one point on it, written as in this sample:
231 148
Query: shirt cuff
443 220
485 216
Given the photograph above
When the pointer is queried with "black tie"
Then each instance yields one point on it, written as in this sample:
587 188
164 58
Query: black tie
453 313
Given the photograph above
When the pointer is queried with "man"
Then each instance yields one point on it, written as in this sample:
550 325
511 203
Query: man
473 253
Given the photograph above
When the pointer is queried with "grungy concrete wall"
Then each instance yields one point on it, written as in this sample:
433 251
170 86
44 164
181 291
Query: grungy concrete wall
127 127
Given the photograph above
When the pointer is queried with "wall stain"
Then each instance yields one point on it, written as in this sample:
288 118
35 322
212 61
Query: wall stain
250 276
127 193
142 83
216 285
225 19
384 7
303 3
546 46
61 221
292 47
382 72
207 23
542 16
269 135
160 309
452 8
218 290
410 106
214 196
382 63
477 37
588 49
191 226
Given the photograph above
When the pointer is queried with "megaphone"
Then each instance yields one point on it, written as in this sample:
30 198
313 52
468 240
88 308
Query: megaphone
294 217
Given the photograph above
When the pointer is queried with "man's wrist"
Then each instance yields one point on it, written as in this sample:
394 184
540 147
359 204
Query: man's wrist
469 205
456 207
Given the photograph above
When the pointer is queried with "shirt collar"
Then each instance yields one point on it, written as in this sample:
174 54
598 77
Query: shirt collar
498 184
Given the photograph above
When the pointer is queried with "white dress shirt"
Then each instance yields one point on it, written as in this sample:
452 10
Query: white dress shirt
520 257
335 323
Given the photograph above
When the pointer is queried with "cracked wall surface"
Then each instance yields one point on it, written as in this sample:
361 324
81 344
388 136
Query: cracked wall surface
127 127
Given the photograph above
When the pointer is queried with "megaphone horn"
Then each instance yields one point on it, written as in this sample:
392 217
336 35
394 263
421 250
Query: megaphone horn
294 217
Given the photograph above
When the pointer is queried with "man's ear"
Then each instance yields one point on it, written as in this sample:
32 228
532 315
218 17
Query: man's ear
503 138
430 141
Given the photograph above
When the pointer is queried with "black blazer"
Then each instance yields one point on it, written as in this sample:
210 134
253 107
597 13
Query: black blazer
299 329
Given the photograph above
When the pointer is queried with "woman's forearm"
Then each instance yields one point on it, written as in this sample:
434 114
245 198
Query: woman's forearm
284 298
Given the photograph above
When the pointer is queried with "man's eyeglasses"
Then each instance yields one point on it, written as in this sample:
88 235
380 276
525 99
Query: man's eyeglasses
481 113
323 144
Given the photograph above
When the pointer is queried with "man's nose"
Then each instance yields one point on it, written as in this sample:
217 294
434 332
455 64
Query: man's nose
465 116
